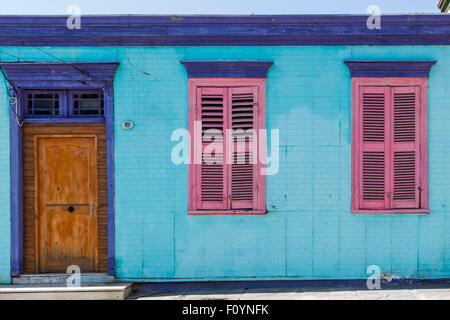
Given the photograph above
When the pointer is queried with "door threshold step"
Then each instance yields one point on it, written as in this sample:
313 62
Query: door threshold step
104 291
61 278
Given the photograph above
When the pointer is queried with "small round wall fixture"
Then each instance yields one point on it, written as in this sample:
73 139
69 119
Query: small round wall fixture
127 124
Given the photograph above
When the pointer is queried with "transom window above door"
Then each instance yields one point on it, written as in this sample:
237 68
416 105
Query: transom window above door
63 104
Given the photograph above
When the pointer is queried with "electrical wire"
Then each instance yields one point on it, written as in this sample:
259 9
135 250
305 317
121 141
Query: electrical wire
15 101
81 70
15 98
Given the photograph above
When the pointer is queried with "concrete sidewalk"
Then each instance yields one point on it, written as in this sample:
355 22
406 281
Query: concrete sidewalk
398 292
60 291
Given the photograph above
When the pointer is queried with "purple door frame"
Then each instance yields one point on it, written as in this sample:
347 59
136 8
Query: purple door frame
67 76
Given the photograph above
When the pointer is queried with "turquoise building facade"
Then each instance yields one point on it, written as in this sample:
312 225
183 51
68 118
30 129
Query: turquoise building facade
308 232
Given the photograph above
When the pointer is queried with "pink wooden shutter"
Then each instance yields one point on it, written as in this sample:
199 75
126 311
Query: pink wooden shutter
211 175
244 123
373 161
405 155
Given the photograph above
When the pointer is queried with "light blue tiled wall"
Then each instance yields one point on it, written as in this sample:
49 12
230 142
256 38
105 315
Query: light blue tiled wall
309 232
4 187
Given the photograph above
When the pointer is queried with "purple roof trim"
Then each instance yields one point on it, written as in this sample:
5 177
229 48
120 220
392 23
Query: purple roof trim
220 30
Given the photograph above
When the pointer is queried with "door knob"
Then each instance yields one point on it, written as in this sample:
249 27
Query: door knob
70 209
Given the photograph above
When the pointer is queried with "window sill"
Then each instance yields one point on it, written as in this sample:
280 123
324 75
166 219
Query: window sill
393 211
226 212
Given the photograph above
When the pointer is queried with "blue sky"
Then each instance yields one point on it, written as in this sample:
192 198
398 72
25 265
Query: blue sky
217 6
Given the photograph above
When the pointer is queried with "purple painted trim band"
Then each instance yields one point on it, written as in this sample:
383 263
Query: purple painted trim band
60 75
64 120
111 220
384 69
16 193
220 30
59 85
158 287
227 69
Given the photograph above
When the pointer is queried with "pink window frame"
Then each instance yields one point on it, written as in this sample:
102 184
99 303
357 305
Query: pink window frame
194 85
422 83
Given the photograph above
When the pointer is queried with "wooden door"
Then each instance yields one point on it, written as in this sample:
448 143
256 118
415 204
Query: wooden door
66 202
